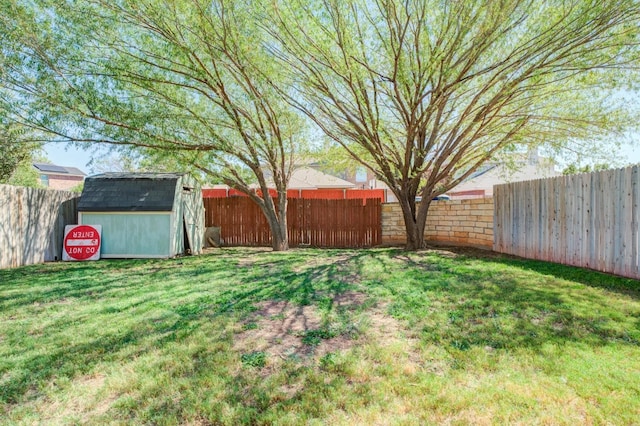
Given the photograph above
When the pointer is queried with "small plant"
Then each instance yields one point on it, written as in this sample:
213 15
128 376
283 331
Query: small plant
254 359
351 329
313 337
328 361
250 326
311 340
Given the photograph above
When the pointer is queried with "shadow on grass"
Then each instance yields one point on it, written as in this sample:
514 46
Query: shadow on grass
627 286
508 303
173 299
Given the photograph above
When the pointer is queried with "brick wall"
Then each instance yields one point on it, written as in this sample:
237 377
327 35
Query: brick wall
459 222
64 183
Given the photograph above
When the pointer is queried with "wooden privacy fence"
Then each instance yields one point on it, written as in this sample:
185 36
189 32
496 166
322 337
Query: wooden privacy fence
324 193
589 220
32 224
316 223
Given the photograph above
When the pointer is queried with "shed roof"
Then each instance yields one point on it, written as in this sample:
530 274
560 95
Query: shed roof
110 192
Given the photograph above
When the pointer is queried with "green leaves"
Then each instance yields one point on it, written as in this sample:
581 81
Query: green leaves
17 147
184 82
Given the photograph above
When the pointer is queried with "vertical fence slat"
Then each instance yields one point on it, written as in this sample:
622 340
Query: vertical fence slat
635 221
587 220
628 221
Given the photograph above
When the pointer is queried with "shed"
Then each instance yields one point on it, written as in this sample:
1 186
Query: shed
144 215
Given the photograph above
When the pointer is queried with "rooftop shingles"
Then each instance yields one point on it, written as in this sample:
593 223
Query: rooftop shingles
129 192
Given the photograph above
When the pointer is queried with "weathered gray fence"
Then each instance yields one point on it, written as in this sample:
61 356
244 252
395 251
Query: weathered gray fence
32 224
589 220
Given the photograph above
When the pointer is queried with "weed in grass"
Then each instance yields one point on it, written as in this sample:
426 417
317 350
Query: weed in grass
278 317
328 361
311 339
254 359
251 325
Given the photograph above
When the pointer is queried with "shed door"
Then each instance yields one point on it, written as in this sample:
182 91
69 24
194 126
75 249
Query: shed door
193 219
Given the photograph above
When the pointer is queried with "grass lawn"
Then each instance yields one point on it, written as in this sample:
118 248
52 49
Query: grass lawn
382 336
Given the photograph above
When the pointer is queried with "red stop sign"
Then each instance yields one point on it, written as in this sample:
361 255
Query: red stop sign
81 242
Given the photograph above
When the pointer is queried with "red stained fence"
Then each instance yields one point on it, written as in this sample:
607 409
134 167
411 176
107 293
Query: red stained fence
311 222
324 194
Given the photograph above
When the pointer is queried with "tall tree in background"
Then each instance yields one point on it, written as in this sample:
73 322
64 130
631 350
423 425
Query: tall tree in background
18 143
187 79
423 92
12 153
17 151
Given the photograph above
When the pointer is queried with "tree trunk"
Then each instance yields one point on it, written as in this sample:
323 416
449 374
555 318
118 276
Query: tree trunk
280 236
414 223
275 210
278 228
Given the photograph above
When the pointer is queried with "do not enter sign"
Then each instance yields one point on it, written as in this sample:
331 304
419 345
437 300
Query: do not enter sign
81 242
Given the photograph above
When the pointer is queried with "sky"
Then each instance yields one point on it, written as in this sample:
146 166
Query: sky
62 154
70 156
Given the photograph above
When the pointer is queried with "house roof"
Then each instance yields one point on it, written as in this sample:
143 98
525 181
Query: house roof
110 192
482 170
485 179
310 178
53 169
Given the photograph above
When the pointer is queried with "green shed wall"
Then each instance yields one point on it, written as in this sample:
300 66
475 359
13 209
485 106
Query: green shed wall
130 235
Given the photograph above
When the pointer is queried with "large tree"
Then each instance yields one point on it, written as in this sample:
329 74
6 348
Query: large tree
423 92
16 142
18 150
188 79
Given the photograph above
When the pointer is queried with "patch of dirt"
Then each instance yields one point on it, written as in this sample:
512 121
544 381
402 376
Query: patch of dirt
249 255
349 299
92 383
334 266
277 328
292 318
291 390
87 407
322 261
383 325
479 253
444 253
388 331
5 377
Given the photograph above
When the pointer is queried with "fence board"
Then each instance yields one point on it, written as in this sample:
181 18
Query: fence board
586 253
346 223
590 220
